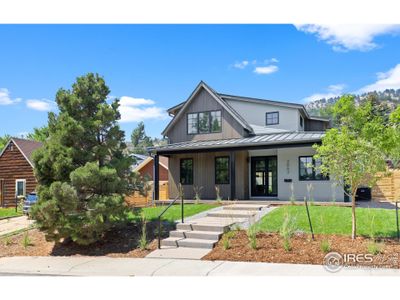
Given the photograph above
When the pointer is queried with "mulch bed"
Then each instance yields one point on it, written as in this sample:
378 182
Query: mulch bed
121 242
304 250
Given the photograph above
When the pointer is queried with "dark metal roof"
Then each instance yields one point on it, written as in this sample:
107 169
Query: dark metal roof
253 141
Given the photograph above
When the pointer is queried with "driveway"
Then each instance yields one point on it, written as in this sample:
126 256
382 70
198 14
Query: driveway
106 266
14 224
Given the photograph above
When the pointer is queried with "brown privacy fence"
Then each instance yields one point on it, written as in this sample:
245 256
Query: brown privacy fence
388 188
138 200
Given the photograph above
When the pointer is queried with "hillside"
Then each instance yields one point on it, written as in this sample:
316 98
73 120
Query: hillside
389 98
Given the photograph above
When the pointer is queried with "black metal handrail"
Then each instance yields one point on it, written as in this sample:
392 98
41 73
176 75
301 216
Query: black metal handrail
163 212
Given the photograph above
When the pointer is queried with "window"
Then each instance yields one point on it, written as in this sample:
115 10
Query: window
222 170
186 171
20 187
204 122
216 121
301 121
192 123
309 169
272 118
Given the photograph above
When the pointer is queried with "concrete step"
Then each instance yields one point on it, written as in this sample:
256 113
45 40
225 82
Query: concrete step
202 227
203 235
171 241
252 207
197 243
226 213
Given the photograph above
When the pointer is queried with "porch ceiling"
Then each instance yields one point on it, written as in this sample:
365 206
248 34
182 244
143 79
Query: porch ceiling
274 140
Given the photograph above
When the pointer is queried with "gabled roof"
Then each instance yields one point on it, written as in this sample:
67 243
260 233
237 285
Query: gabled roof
216 97
225 97
26 147
275 139
163 161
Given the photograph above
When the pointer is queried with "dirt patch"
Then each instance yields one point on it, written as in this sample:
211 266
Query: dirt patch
304 250
120 242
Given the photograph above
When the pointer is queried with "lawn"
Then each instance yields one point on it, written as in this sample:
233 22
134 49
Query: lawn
8 212
334 220
174 212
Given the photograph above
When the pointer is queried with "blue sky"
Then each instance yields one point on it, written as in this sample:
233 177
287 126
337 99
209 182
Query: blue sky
153 67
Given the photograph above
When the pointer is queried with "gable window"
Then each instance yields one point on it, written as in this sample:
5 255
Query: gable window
20 187
301 121
272 118
192 123
309 169
204 122
216 121
222 170
186 171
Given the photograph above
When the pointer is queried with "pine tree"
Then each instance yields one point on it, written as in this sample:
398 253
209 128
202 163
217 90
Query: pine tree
81 169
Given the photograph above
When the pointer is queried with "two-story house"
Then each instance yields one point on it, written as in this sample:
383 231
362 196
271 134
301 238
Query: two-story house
252 149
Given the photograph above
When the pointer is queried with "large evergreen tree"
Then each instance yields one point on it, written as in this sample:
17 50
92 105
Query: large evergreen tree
82 170
140 140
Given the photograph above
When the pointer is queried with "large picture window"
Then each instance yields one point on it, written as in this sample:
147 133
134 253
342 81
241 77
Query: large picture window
222 170
309 169
186 171
204 122
272 118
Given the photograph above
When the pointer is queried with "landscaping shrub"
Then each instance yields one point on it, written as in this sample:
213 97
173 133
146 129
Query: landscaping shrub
287 230
375 248
143 237
26 241
218 194
325 246
197 193
252 236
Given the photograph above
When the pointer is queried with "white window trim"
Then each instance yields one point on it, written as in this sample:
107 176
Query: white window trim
16 186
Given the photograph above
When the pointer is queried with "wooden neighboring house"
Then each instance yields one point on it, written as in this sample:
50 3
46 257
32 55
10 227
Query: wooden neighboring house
145 168
16 170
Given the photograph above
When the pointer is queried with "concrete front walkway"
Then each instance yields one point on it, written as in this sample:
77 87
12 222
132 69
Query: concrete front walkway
14 224
105 266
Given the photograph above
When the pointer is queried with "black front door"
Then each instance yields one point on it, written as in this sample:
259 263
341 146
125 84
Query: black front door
264 171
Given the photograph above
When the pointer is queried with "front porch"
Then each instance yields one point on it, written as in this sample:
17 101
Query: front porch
268 168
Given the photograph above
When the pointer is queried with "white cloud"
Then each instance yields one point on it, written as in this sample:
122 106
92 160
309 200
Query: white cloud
130 101
385 80
40 105
333 90
345 37
132 110
271 61
241 65
5 98
266 70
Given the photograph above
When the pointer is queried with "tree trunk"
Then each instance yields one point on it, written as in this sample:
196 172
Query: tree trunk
353 215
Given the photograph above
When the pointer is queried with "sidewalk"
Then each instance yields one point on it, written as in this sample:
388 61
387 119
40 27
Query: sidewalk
14 224
105 266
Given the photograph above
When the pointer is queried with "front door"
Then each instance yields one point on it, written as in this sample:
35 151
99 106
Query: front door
264 179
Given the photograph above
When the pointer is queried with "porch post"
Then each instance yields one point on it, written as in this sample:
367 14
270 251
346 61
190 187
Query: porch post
233 174
156 178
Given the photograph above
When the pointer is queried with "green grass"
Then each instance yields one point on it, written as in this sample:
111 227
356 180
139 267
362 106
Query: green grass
334 220
173 213
8 212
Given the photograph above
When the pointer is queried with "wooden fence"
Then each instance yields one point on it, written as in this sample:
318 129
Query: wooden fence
388 188
138 200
